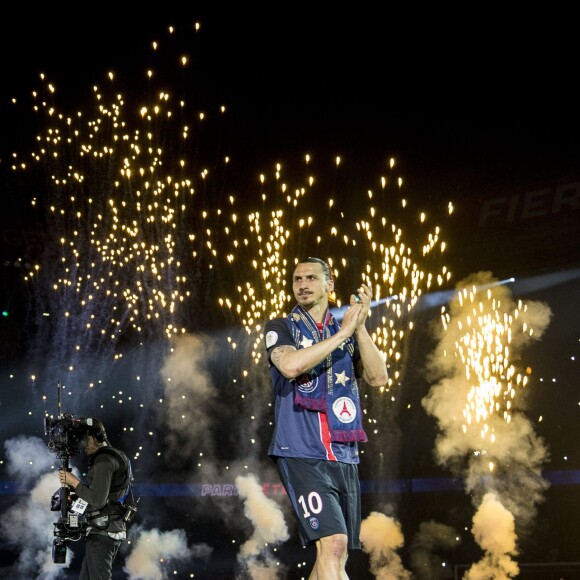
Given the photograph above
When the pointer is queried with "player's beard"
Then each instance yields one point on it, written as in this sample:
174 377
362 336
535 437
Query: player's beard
307 301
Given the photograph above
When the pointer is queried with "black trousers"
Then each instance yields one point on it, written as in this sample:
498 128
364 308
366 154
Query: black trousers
100 553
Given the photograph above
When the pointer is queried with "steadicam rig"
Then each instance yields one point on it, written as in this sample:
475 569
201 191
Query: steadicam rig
67 436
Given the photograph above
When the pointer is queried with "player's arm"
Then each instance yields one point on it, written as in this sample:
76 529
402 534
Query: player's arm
293 362
371 365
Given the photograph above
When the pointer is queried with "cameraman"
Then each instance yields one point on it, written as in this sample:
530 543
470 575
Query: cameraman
106 529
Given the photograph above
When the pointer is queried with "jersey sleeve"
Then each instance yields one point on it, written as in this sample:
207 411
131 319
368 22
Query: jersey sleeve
277 334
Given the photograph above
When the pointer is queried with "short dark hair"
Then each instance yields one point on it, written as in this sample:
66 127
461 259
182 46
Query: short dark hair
325 266
98 430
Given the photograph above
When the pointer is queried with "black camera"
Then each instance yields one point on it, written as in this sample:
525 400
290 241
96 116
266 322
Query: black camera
67 434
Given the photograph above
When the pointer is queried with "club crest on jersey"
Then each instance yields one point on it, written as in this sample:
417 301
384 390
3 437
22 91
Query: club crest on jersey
307 382
271 338
344 409
314 523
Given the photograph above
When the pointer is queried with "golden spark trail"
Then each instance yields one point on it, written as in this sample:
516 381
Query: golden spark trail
485 331
295 220
127 213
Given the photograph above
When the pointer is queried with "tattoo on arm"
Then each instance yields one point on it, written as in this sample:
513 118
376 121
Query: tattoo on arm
278 352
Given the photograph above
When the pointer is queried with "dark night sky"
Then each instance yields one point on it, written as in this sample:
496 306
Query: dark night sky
469 105
446 92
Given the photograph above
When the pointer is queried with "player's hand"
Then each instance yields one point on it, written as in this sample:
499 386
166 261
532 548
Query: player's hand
350 320
364 296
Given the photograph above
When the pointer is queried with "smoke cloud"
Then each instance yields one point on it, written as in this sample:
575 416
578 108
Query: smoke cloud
28 458
27 525
189 396
484 436
380 537
155 552
269 529
494 531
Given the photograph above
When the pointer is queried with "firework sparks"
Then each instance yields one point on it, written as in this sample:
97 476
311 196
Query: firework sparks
293 220
484 332
119 204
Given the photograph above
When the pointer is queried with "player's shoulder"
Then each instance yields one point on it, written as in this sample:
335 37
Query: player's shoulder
277 333
278 322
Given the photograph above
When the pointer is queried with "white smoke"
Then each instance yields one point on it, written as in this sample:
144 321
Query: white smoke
494 531
189 395
28 458
269 530
157 555
381 537
192 414
28 525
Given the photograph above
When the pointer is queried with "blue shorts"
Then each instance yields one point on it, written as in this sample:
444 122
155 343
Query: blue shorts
325 496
